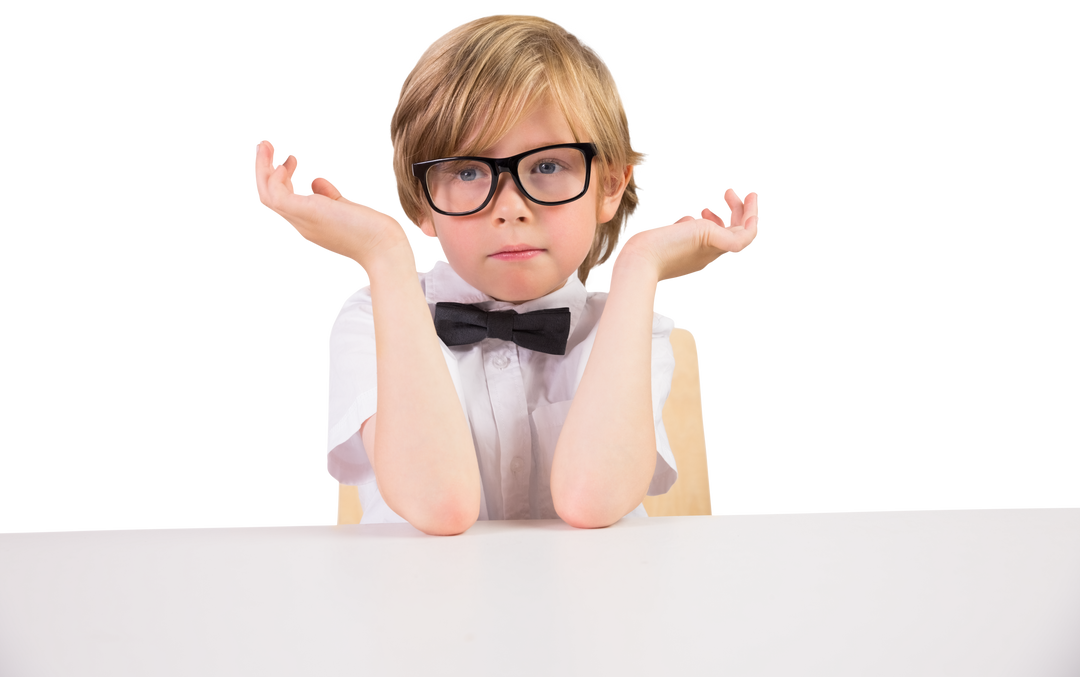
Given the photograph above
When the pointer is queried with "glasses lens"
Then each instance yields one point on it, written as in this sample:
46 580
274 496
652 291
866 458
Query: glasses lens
553 175
461 186
458 186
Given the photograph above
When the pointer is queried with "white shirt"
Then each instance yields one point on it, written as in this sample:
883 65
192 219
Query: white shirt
516 400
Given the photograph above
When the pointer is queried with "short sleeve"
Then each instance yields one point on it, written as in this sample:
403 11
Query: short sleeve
353 394
663 368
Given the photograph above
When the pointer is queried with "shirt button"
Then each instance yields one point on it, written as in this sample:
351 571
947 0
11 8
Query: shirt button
516 464
500 361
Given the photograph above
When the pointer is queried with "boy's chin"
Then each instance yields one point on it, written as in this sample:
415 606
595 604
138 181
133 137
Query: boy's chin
514 296
522 294
507 296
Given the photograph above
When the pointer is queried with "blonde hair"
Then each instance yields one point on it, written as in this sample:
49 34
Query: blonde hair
479 80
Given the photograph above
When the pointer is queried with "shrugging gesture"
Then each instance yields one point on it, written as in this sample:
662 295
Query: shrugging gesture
690 244
325 218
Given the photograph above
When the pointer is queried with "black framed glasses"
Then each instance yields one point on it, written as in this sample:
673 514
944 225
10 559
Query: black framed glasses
551 175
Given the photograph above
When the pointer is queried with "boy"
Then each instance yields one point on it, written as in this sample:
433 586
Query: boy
448 402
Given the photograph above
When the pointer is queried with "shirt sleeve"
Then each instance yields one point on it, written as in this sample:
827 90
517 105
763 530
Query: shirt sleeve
663 367
353 394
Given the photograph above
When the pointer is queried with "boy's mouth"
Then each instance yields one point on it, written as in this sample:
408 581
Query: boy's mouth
520 255
517 247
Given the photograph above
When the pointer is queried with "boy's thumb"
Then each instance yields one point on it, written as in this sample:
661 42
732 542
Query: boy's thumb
326 189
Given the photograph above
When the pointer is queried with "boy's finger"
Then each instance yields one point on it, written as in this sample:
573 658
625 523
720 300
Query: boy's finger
281 175
290 166
264 154
327 189
754 231
268 153
259 174
733 202
257 151
268 150
709 213
731 197
751 207
323 185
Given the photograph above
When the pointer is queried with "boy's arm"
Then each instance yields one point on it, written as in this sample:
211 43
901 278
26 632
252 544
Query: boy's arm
423 452
606 453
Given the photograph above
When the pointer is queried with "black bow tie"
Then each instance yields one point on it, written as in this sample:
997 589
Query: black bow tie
544 331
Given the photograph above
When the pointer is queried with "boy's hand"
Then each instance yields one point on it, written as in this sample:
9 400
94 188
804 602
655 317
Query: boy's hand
325 218
690 244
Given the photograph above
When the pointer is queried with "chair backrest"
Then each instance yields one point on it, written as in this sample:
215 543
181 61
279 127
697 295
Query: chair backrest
686 434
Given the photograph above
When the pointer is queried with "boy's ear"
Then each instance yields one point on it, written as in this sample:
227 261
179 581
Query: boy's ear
614 183
427 225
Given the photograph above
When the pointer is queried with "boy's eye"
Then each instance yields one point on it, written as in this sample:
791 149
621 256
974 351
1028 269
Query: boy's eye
546 167
460 171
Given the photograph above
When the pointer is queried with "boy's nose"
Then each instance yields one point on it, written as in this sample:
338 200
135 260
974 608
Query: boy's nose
508 189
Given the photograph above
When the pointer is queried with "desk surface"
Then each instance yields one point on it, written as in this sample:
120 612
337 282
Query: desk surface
922 593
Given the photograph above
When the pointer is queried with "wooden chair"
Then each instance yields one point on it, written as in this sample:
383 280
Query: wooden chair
683 421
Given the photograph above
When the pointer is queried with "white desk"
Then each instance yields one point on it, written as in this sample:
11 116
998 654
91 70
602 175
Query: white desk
978 593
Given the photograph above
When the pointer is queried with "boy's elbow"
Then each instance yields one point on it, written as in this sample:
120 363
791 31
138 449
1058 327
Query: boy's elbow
583 518
583 521
596 510
450 522
447 525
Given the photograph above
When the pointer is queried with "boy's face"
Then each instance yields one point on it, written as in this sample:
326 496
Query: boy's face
514 249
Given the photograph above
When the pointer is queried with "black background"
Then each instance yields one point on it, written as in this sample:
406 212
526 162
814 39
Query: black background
179 346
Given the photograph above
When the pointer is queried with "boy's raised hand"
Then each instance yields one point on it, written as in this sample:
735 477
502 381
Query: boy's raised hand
325 218
690 244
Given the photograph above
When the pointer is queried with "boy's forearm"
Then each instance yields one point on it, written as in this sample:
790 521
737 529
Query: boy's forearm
424 459
606 453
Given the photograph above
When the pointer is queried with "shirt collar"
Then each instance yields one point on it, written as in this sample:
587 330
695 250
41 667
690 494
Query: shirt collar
443 284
